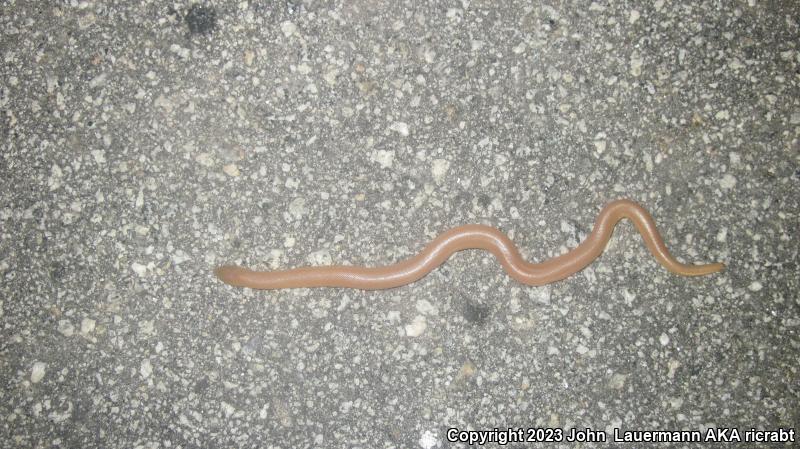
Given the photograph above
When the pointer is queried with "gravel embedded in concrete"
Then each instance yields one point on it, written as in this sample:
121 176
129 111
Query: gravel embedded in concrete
146 142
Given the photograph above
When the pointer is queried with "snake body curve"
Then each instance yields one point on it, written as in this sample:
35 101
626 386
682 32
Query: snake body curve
474 236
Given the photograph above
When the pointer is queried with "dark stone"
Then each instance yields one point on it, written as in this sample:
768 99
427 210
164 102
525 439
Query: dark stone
57 271
201 19
201 385
475 313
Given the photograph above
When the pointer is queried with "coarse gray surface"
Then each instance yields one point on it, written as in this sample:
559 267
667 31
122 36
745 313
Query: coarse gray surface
146 142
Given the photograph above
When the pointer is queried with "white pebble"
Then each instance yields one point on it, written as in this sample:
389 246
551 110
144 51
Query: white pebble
204 159
227 409
304 69
428 440
417 327
617 381
385 158
439 169
146 369
600 146
663 339
330 78
425 307
288 28
37 373
180 257
139 269
320 258
634 16
755 286
540 295
636 66
99 156
66 328
146 327
54 181
87 326
274 258
98 80
727 181
231 170
298 208
400 128
628 296
429 55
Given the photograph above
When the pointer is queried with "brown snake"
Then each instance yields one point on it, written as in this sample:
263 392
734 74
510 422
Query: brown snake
474 237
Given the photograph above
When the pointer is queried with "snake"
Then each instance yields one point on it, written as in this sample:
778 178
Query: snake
474 236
